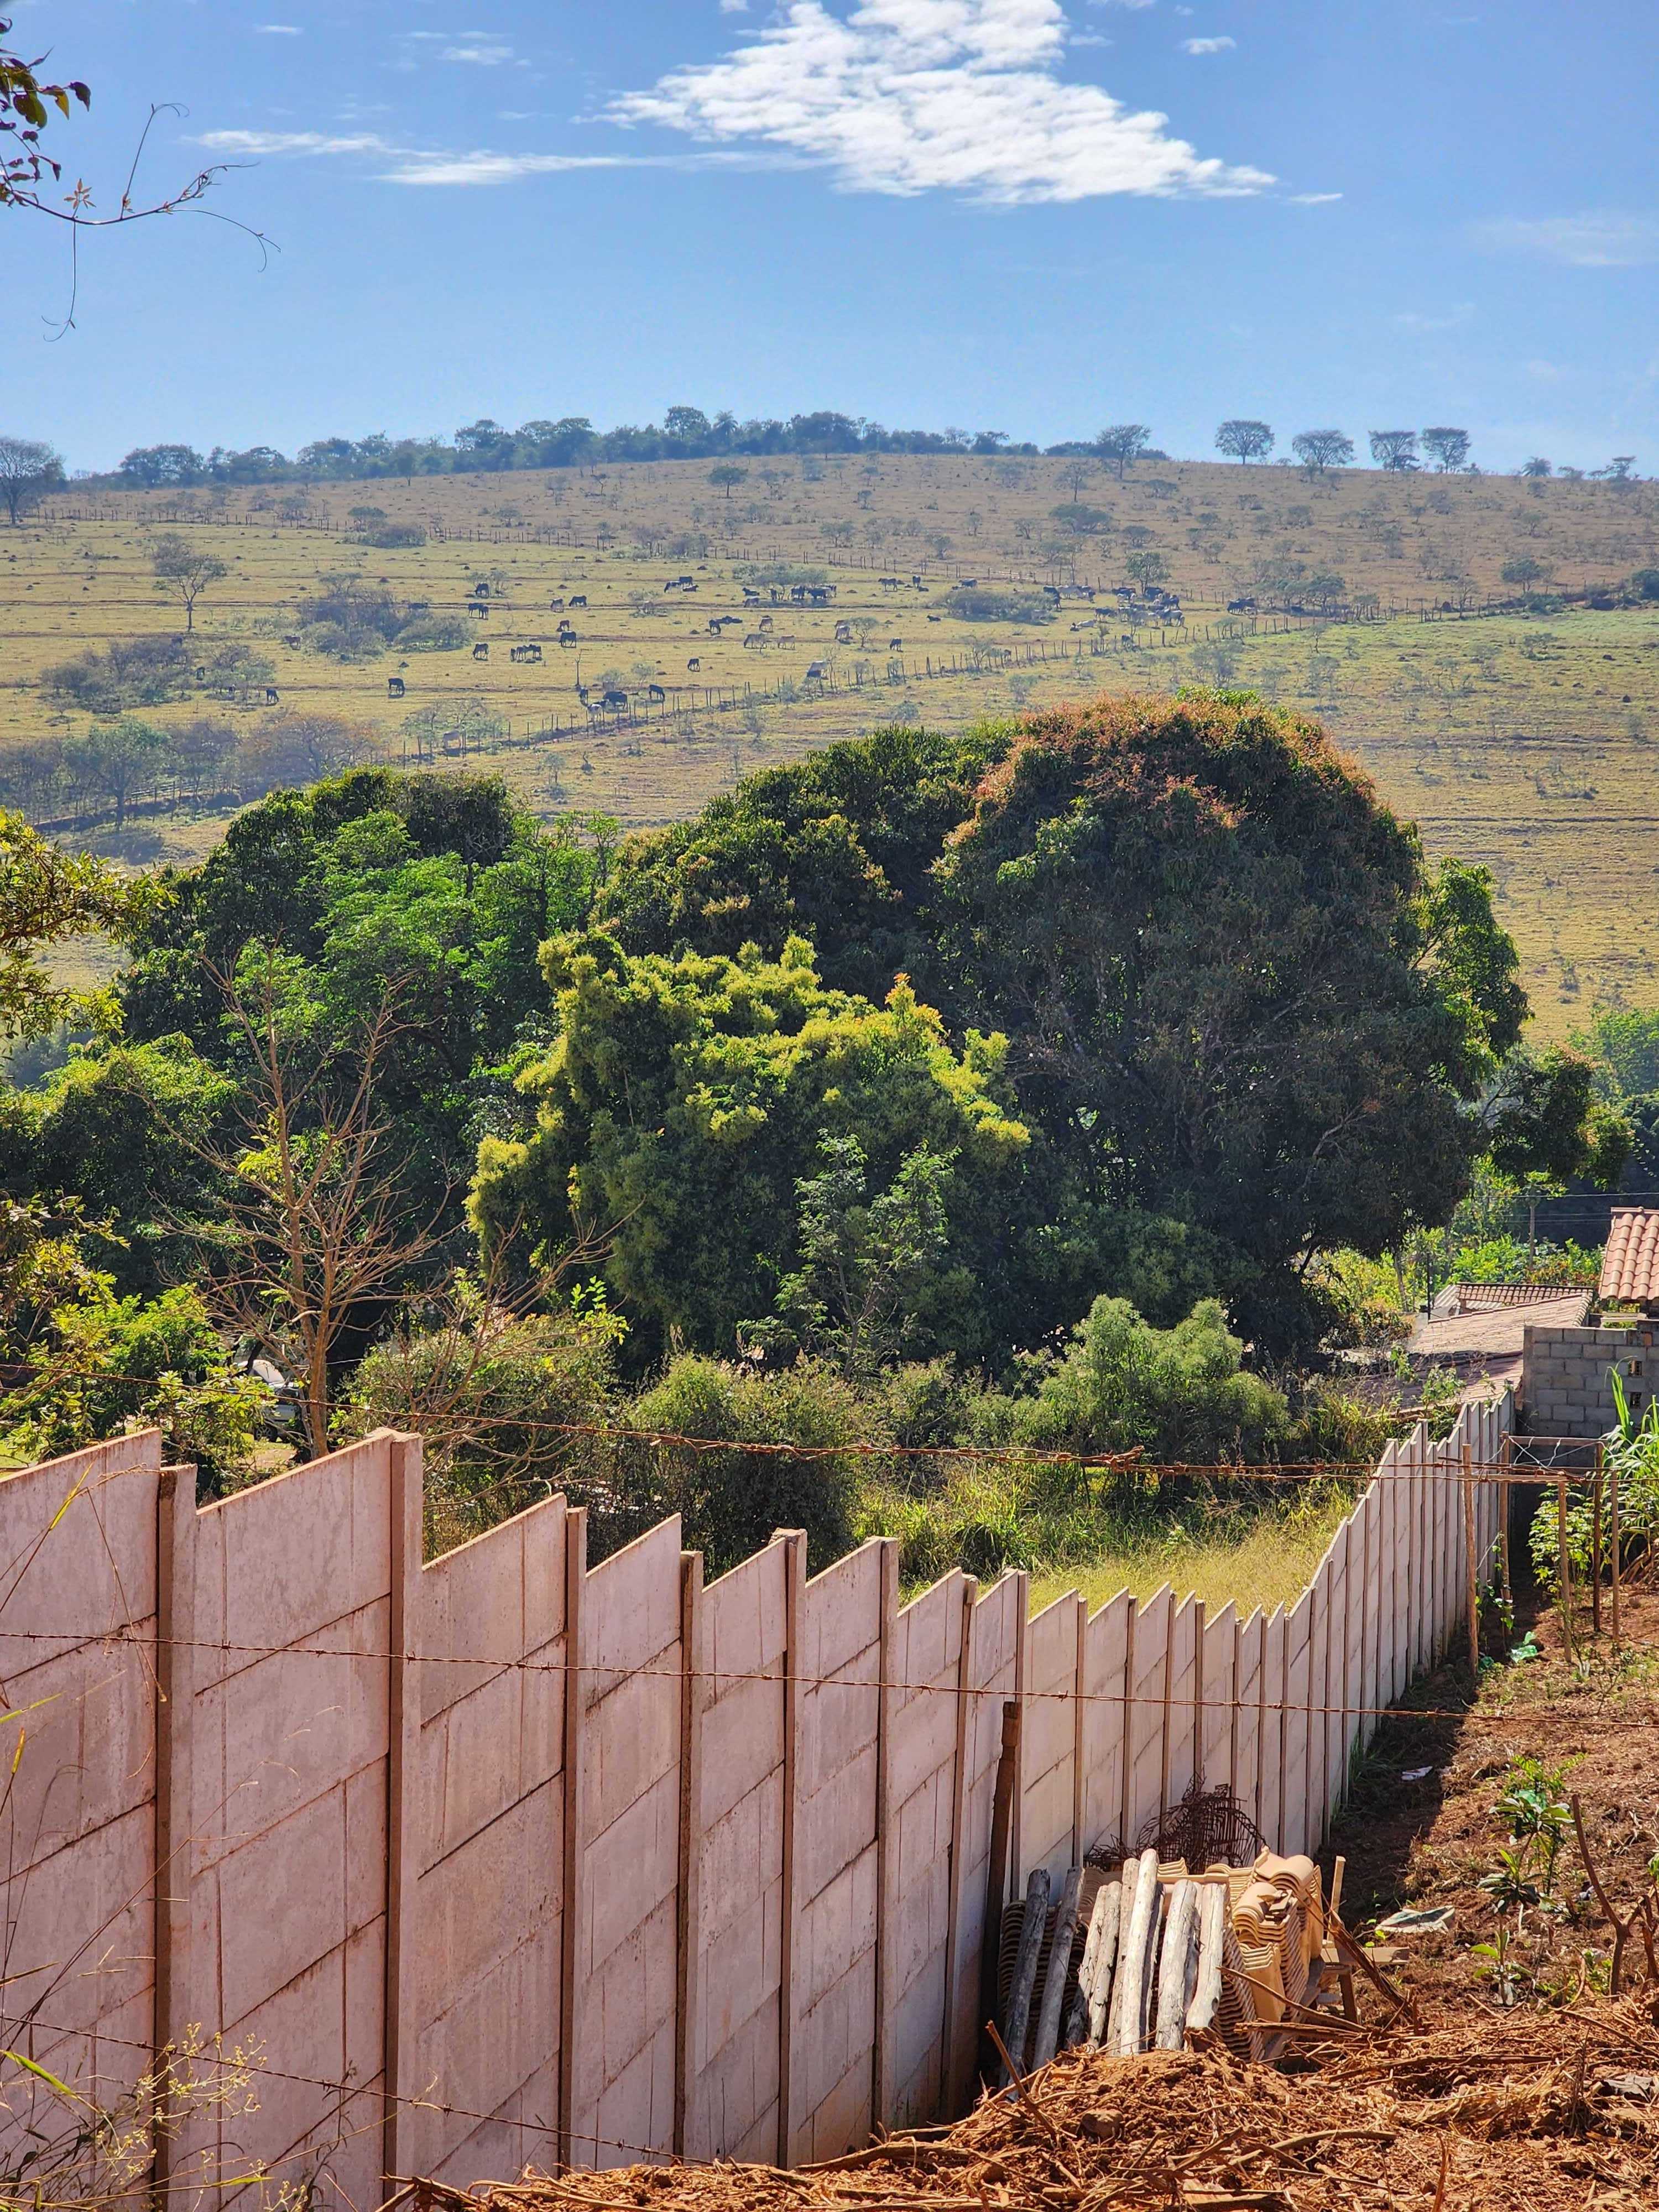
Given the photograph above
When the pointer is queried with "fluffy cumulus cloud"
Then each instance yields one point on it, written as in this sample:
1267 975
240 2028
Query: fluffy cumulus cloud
1207 45
1606 240
907 96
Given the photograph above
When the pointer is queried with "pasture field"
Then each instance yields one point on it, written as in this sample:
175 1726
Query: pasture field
1529 742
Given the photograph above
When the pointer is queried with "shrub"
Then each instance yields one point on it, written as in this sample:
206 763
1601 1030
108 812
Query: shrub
392 535
982 603
433 634
489 1393
115 1363
1181 1394
731 1502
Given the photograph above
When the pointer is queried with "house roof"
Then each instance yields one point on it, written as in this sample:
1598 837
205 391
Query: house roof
1630 1266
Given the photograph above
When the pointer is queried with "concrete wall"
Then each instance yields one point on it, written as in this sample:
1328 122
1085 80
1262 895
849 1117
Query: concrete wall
499 1859
1565 1383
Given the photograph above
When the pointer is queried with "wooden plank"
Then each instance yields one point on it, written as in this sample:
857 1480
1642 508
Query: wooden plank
996 1898
1129 1997
1018 2016
1178 1967
1211 1943
1099 1950
1060 1969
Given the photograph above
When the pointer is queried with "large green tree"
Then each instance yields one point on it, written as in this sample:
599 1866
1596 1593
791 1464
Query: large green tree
1234 991
685 1099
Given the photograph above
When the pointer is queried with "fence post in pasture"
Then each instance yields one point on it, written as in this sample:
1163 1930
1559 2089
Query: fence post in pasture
694 1700
887 1859
175 1653
403 1827
1564 1566
1595 1546
1471 1574
574 1792
1505 1458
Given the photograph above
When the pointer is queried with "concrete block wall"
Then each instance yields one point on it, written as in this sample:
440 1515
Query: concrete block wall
1565 1386
500 1859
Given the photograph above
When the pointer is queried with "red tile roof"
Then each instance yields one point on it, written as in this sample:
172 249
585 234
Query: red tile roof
1630 1266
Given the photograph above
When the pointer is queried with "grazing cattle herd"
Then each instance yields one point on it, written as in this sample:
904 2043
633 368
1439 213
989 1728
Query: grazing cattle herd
489 595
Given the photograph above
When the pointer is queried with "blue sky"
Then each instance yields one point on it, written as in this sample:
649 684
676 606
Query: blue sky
1030 215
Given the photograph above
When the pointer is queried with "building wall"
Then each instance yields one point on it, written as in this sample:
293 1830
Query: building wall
1565 1387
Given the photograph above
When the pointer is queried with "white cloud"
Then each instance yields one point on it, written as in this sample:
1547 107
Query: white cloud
481 53
734 7
1207 45
425 164
291 141
1609 240
906 97
1313 199
277 31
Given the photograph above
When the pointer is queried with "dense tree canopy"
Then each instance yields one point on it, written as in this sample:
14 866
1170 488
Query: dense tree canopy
1245 1020
685 1097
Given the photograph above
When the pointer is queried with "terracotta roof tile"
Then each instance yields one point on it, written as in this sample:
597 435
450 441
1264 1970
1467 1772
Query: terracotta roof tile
1630 1266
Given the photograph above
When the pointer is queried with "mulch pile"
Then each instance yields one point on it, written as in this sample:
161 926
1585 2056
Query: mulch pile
1532 2112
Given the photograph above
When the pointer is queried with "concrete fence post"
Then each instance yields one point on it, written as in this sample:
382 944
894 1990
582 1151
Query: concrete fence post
694 1700
887 1857
951 2065
402 1857
794 1541
571 1982
175 1708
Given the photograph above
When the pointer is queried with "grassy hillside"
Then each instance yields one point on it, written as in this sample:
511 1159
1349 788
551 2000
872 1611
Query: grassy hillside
1527 742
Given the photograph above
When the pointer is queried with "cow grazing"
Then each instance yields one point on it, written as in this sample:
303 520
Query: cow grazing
815 673
481 651
614 699
578 599
656 694
394 687
895 645
843 632
692 665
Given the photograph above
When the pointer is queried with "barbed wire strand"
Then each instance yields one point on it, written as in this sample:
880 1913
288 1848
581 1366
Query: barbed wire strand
127 1634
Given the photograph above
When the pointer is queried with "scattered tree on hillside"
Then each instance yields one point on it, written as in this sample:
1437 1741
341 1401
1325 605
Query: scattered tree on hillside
1242 439
1395 449
1076 476
1319 449
1620 469
28 469
726 476
1523 569
119 756
1537 466
185 571
1447 449
1148 569
1122 442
